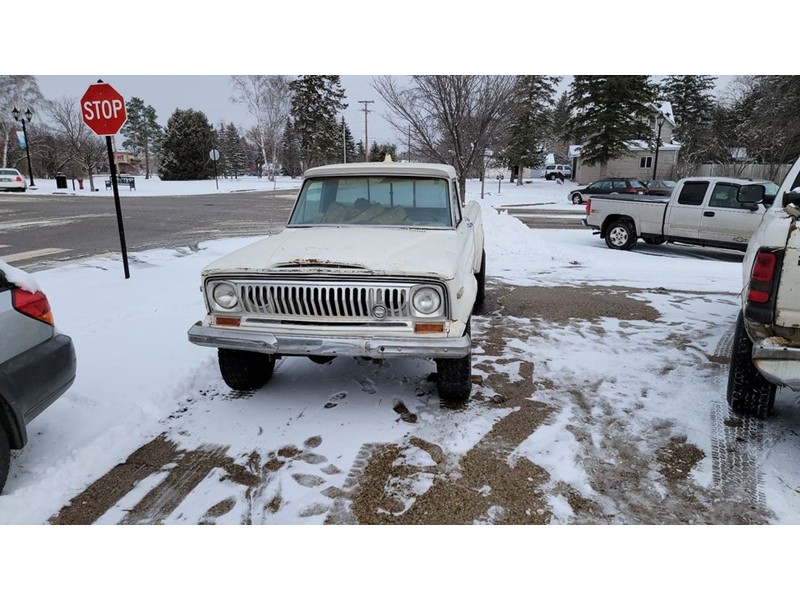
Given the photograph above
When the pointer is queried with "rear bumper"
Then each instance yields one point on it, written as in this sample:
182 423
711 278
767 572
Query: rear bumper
307 345
779 364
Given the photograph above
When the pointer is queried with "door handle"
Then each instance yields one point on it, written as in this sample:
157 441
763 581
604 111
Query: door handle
708 213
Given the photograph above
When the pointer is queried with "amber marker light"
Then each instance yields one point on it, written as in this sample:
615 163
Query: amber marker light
428 327
229 321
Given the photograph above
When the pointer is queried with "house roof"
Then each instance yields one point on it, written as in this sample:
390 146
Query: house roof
575 150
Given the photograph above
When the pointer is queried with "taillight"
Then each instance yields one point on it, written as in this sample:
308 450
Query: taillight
32 304
19 178
761 277
588 206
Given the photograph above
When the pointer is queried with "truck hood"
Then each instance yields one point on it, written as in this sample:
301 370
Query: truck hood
352 250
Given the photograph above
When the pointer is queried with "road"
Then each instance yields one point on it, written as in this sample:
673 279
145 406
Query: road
40 232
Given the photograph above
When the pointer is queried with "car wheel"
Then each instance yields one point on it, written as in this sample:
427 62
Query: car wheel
749 393
245 371
5 457
454 377
480 277
577 199
620 235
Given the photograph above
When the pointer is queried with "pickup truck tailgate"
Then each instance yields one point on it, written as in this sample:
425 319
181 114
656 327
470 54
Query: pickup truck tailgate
787 304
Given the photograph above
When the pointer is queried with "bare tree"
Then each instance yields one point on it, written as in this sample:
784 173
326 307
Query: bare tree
268 99
452 119
16 91
86 148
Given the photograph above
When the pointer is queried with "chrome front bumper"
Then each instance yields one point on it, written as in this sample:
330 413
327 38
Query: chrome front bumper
308 345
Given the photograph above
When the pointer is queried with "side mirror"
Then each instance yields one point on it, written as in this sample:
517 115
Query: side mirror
750 194
791 198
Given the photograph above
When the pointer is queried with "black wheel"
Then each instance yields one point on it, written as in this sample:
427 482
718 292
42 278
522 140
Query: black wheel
480 277
749 393
654 241
547 177
454 377
576 199
5 457
620 235
244 371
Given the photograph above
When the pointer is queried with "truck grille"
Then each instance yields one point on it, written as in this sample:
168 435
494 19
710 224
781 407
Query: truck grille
324 299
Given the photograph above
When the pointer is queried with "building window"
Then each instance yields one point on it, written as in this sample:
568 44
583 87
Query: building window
646 162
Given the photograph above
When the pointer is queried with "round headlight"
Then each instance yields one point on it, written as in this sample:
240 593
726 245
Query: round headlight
426 300
224 295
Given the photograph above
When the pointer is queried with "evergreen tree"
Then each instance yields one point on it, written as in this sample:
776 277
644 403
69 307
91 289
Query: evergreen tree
142 131
188 139
316 102
560 137
349 144
232 150
290 151
359 151
529 123
693 108
378 152
610 112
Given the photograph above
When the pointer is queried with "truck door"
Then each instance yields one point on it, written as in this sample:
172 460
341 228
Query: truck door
685 213
725 219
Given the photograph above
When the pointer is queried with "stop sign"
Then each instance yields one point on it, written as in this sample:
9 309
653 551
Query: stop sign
103 109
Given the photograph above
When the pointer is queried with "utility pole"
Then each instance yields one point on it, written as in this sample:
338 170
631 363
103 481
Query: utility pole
408 157
366 136
344 142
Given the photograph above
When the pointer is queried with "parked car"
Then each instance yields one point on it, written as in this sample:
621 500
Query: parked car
378 260
37 363
660 187
610 185
557 171
12 180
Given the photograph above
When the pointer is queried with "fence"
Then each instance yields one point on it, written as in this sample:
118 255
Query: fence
774 173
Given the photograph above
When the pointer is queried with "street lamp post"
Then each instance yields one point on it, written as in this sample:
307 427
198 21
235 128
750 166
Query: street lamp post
660 121
27 117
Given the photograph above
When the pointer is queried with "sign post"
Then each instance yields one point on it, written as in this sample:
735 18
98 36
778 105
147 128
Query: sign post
214 155
103 111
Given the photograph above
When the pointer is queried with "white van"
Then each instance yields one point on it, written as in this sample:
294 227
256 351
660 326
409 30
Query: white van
552 171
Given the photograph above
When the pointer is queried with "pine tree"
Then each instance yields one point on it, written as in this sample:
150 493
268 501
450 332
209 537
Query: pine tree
142 131
316 102
350 145
378 152
693 108
560 137
188 139
231 148
610 112
290 151
529 123
359 151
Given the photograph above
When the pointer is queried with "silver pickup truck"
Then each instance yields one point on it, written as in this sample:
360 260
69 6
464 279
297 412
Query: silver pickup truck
703 211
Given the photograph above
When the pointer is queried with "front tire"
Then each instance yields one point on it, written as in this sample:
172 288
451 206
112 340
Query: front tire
454 377
245 371
620 235
749 393
577 199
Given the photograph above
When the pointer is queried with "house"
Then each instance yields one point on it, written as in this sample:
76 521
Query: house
641 162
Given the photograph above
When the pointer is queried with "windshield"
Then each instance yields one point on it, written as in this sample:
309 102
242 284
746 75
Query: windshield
362 200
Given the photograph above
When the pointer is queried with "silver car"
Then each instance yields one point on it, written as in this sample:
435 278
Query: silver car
37 363
12 180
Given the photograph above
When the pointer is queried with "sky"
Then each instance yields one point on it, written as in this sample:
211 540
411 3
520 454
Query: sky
112 409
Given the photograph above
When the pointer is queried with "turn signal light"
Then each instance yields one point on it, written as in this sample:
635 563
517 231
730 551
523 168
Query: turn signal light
229 321
428 327
32 304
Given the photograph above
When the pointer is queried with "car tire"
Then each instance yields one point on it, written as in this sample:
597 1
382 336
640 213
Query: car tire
5 457
454 377
620 235
480 277
749 393
245 371
577 199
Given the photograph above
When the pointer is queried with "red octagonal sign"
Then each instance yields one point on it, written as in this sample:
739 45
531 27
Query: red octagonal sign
103 109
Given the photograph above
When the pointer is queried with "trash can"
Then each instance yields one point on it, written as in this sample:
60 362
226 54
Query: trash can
80 182
61 182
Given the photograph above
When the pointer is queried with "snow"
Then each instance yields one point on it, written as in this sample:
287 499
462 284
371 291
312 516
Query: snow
136 370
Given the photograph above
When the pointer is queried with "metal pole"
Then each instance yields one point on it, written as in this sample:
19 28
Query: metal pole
216 181
344 142
27 151
366 135
113 169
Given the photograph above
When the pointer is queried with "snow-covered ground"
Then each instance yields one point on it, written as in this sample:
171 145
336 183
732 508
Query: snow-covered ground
139 378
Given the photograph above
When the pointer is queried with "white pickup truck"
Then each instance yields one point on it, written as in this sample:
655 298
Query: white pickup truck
377 260
766 345
703 211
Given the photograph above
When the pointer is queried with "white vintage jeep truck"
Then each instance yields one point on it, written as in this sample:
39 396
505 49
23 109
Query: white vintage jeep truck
766 345
377 260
